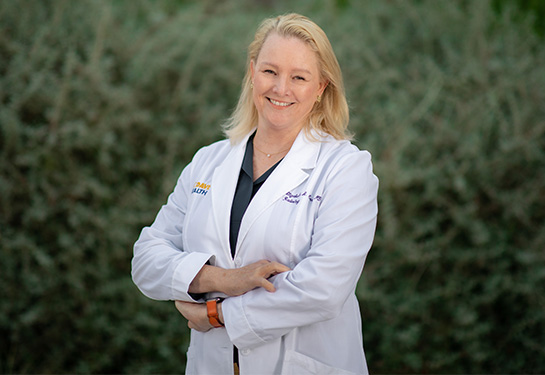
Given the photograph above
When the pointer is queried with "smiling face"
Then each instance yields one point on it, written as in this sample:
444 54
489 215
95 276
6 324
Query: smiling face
287 81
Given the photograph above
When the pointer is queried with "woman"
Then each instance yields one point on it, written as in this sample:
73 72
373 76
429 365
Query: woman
264 238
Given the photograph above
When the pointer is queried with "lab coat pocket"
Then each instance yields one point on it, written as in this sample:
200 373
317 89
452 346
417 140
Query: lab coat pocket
299 364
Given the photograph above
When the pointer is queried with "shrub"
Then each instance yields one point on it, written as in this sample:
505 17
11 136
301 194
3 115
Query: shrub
451 106
103 103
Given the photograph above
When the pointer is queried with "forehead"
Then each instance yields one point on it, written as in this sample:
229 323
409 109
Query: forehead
287 51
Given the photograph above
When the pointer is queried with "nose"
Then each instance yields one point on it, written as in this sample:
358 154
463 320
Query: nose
282 86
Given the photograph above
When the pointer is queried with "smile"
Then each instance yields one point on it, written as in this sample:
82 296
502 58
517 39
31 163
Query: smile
280 104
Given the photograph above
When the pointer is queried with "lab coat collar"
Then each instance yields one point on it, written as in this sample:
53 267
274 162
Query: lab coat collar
293 170
224 183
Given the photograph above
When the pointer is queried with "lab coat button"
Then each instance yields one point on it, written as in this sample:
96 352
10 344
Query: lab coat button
245 351
238 262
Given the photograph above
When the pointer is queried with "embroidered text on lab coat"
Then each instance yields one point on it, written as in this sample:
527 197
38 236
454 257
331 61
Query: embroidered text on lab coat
296 198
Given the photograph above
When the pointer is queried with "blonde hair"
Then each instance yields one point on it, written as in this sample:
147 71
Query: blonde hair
330 115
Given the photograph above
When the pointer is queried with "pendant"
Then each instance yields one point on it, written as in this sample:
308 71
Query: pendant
268 155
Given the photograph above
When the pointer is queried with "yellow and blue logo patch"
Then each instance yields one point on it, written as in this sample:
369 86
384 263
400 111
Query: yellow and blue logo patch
200 188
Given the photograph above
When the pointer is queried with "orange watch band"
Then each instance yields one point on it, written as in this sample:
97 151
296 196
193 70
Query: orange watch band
212 310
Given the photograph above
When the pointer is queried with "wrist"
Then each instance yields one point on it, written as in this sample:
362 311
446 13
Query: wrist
213 313
215 279
208 279
220 313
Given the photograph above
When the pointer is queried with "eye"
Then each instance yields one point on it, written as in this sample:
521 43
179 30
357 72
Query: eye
268 71
299 78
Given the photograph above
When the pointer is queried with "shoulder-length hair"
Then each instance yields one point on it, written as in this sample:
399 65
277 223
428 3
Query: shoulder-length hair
330 115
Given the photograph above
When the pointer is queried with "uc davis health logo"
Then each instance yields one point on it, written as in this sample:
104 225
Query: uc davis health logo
200 188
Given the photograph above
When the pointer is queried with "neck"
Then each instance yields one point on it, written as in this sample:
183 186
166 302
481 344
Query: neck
274 141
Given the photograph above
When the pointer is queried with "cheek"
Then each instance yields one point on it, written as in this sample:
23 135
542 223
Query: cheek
259 89
256 97
310 94
308 99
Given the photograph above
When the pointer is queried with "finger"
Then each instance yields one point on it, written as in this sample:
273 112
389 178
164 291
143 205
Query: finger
281 268
269 287
275 268
182 306
178 305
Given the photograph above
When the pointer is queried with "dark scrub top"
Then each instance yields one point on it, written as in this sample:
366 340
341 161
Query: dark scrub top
245 191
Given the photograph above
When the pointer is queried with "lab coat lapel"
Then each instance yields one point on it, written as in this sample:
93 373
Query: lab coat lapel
224 183
290 173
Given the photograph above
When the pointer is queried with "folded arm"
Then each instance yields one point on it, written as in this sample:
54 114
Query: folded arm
319 285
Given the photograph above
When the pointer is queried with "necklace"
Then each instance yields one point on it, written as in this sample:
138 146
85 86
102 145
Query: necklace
269 155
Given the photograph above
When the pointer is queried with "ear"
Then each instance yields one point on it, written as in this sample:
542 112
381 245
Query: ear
322 87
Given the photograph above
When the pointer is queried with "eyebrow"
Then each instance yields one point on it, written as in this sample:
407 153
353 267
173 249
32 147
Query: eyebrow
295 70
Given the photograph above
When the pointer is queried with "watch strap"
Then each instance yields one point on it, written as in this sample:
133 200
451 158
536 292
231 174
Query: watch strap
212 311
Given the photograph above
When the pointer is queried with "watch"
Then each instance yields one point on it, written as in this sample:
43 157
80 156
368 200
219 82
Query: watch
212 310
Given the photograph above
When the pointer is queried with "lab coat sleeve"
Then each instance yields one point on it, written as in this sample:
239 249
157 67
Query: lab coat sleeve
161 269
318 286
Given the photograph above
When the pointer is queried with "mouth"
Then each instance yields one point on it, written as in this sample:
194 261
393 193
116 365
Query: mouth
278 103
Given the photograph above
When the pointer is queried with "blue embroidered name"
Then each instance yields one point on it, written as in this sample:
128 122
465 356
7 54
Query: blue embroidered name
200 188
296 198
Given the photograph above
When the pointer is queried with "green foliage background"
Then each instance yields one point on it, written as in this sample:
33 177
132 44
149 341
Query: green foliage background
103 103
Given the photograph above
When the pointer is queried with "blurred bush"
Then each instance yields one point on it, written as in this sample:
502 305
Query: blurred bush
535 9
451 103
103 103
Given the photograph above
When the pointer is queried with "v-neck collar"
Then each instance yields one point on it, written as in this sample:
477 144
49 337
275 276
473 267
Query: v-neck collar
248 163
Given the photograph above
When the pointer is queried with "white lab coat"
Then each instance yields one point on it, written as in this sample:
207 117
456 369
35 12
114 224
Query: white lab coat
316 213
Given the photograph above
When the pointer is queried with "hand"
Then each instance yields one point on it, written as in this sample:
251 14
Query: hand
196 315
241 280
234 282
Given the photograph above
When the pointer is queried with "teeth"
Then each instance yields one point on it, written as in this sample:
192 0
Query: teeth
279 103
